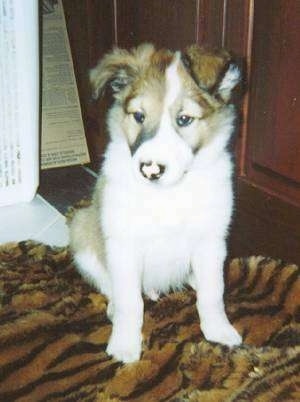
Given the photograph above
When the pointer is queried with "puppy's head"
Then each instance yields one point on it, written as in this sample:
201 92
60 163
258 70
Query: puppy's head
168 105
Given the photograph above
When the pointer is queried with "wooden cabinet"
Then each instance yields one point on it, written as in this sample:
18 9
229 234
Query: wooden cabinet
268 203
273 156
263 33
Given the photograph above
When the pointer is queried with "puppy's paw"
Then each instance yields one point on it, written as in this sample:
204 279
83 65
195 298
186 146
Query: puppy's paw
125 347
221 332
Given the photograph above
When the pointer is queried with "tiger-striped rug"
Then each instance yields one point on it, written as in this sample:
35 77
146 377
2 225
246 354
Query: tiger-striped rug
54 330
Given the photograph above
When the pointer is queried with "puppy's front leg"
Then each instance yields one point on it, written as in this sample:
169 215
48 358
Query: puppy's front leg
207 264
126 339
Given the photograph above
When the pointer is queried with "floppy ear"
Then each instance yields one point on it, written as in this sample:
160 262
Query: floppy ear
114 69
118 68
212 70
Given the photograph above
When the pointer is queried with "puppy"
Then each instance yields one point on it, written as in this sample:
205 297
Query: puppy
163 200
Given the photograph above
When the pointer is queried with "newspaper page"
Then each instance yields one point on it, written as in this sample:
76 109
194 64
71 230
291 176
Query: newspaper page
63 141
19 101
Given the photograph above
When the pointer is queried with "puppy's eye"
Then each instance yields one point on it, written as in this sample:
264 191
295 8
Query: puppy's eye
139 117
184 120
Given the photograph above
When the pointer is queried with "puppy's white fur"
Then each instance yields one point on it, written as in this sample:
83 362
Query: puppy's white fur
159 236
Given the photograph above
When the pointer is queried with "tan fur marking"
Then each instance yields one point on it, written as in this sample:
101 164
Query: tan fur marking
129 63
85 227
207 65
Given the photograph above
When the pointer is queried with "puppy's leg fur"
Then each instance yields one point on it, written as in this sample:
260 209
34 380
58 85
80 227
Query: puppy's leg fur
87 245
122 284
207 264
126 338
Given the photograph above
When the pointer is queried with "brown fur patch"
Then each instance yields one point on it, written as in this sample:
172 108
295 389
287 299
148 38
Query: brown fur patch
207 65
161 59
119 63
84 227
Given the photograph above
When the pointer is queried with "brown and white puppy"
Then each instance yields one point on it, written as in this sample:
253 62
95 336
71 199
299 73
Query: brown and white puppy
163 201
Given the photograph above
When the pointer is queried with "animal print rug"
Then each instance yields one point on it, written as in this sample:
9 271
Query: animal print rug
54 330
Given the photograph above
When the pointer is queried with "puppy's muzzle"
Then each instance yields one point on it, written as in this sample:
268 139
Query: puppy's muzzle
152 170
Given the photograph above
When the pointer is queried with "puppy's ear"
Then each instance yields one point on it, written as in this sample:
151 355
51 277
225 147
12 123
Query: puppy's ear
230 79
212 70
114 69
118 68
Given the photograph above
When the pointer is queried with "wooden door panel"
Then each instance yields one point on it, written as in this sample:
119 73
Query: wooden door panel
238 22
166 23
286 144
237 27
90 26
210 22
274 120
91 34
267 215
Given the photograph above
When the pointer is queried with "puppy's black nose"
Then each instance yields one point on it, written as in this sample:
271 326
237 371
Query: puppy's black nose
152 170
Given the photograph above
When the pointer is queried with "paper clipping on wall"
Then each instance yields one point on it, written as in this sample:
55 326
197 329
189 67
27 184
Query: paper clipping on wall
63 141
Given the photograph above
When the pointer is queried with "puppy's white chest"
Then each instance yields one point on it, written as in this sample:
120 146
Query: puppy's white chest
167 209
166 213
166 261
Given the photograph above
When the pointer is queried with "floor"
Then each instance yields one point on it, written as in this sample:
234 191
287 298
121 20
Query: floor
44 218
